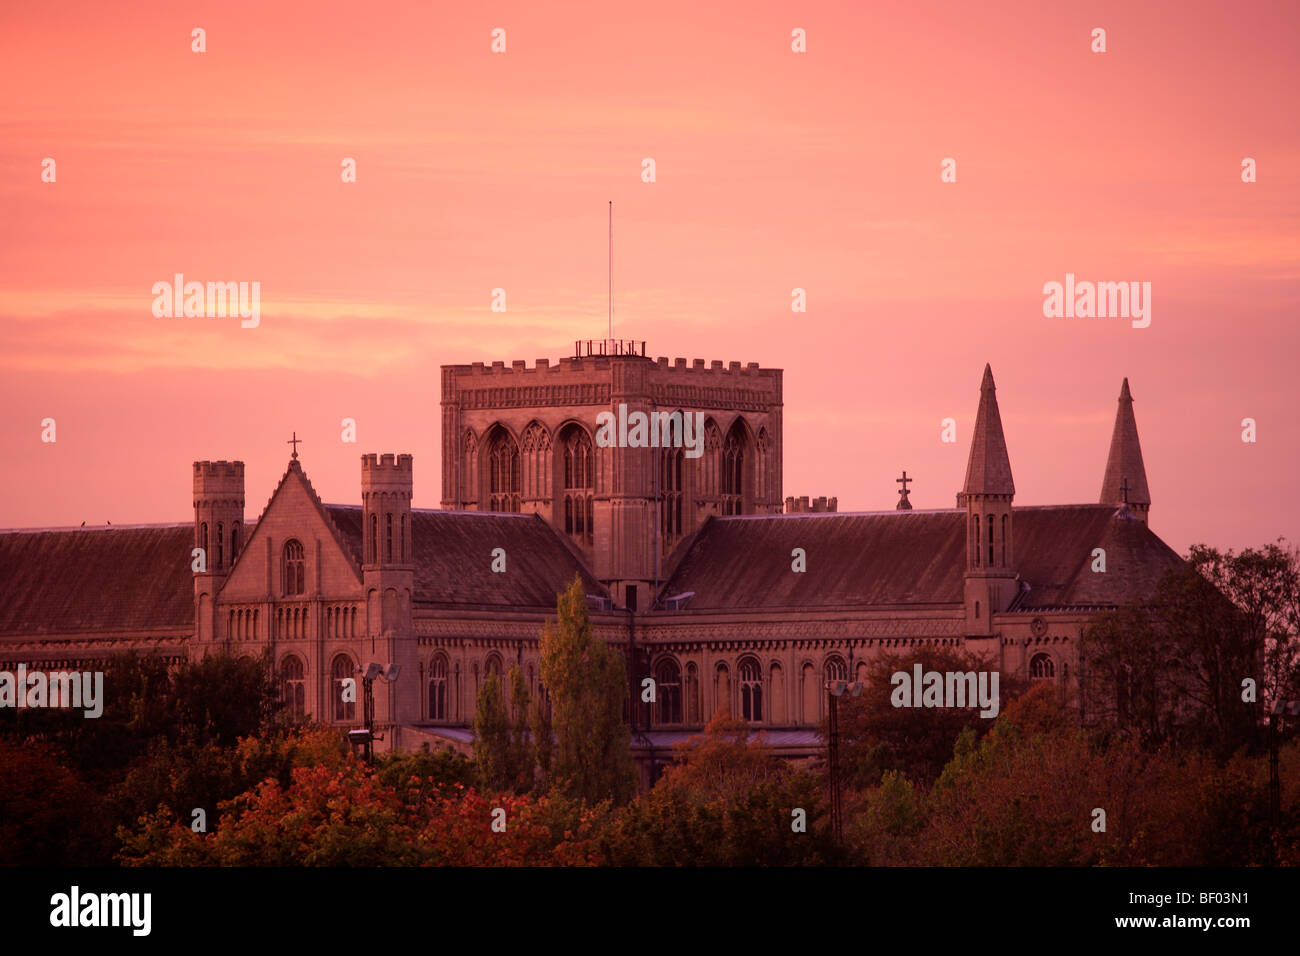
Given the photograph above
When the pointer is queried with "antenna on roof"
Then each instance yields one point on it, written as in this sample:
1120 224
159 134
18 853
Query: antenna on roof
611 268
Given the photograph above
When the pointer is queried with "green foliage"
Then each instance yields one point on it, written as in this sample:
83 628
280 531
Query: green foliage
877 737
727 802
492 751
414 774
588 687
523 755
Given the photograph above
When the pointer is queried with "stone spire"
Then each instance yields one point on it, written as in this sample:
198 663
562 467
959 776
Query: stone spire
1125 462
988 471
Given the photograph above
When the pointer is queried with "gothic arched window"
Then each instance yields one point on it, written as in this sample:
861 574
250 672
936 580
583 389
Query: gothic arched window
1042 667
203 539
692 693
503 472
295 579
670 492
836 668
668 692
221 546
234 542
733 471
294 685
388 520
438 688
341 670
579 484
751 690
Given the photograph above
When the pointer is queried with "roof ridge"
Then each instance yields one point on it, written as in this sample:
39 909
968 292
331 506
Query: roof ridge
97 527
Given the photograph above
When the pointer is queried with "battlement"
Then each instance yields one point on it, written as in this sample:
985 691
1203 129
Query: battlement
543 367
803 505
219 477
219 469
398 464
386 473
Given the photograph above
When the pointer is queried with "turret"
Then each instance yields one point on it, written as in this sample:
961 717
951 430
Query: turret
386 486
218 532
990 579
388 576
1126 476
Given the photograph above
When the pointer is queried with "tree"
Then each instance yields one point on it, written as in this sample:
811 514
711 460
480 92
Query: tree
588 688
727 801
492 737
877 737
1172 671
523 755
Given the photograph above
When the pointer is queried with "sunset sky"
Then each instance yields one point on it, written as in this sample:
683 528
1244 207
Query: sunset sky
775 170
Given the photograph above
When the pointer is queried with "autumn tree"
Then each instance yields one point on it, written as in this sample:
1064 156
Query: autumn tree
877 737
588 689
726 801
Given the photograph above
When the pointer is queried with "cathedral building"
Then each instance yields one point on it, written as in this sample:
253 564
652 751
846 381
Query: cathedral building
688 561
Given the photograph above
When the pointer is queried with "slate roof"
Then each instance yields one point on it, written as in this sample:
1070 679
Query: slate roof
138 577
453 557
96 579
913 558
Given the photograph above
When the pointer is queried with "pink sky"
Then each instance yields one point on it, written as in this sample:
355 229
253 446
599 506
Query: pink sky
775 170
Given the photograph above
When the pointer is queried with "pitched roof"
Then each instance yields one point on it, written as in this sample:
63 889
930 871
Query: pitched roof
295 468
453 557
95 579
912 558
1125 458
988 470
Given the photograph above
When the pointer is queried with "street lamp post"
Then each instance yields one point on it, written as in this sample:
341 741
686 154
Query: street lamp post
367 736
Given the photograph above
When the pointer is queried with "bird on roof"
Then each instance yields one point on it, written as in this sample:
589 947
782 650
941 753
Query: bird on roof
83 524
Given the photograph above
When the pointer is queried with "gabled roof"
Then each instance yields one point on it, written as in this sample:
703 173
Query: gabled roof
1125 458
353 555
913 558
96 579
988 470
453 557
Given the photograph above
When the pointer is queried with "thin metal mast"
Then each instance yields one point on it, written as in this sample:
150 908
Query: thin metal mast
611 269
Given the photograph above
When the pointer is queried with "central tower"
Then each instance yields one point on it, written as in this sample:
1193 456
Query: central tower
525 439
